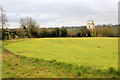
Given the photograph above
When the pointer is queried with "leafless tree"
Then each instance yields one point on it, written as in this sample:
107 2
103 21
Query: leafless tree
3 18
29 24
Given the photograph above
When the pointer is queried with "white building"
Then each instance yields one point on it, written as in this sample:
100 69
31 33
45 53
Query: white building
90 25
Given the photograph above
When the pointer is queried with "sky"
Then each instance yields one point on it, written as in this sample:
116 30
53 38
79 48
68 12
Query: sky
58 13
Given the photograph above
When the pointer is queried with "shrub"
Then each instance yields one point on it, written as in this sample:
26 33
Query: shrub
21 32
12 35
105 32
7 36
84 31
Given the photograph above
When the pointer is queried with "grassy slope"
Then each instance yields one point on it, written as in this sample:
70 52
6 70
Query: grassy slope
100 53
21 67
0 46
25 67
0 59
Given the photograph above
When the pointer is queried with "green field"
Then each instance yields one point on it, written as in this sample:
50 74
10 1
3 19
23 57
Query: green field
98 56
100 53
0 46
0 59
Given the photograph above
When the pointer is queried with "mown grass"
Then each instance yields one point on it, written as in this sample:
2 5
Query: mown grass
100 53
72 57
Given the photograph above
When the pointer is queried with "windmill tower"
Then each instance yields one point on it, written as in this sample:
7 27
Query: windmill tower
90 25
91 28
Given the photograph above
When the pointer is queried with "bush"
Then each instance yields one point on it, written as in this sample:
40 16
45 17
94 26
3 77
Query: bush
84 31
12 35
7 35
105 32
78 34
21 32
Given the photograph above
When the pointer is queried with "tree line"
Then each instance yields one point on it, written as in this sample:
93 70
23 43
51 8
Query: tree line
30 29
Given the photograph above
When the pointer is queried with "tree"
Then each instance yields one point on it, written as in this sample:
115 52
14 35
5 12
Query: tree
57 32
78 34
21 32
3 18
84 31
63 32
105 32
31 26
3 21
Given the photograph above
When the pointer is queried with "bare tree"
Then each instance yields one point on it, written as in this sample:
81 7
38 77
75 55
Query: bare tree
3 18
29 24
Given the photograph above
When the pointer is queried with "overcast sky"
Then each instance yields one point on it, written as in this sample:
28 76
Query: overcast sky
57 13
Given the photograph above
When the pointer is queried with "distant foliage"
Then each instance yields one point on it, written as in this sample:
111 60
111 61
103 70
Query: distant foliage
63 32
57 32
29 28
12 35
35 32
106 32
21 32
30 25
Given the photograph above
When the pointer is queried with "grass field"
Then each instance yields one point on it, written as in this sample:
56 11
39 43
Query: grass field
0 59
0 45
93 53
21 67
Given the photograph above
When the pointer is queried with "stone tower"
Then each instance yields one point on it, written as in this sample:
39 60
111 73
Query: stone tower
90 25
